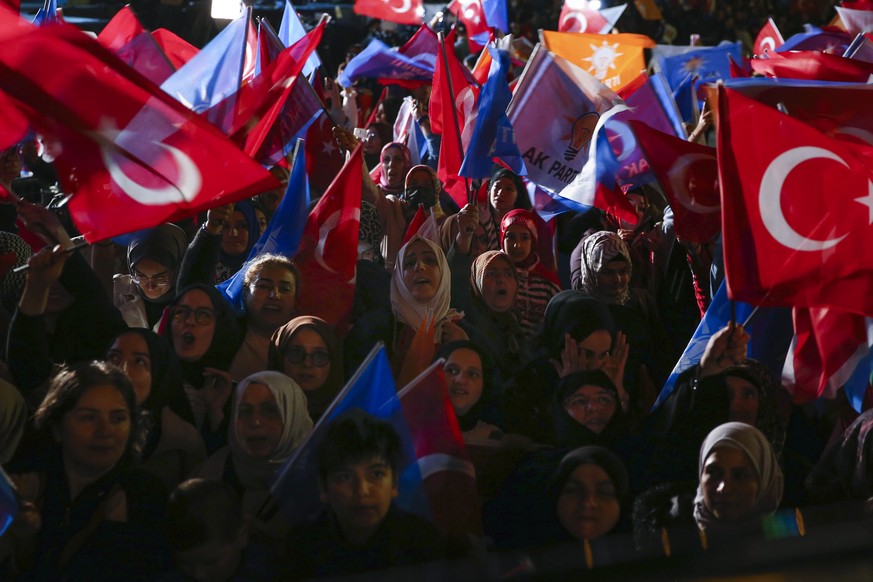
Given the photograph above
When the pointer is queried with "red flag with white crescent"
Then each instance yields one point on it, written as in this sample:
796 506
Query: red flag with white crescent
578 16
797 208
768 40
328 251
400 11
472 14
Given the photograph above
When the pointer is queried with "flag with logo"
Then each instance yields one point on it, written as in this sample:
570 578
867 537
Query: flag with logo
328 251
795 207
284 231
138 160
554 110
472 14
613 59
701 65
688 174
125 36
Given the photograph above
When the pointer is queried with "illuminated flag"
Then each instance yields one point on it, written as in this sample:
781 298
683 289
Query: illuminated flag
613 59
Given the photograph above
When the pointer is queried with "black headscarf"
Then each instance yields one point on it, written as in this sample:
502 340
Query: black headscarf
571 312
165 244
568 431
475 414
592 455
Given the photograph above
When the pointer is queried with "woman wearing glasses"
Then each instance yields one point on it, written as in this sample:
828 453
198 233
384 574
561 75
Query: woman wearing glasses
153 260
204 332
306 349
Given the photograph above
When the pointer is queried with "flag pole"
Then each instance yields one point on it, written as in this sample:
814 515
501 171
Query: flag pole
445 58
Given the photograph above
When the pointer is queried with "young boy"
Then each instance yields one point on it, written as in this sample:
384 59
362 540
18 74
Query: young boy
360 530
210 536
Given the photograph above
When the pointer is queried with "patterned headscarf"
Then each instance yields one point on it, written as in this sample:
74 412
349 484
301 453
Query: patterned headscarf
12 284
522 217
591 256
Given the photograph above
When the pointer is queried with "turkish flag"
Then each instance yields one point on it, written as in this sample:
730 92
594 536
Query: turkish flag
768 40
177 49
813 66
328 251
125 36
472 14
128 153
828 345
400 11
797 207
580 17
688 174
323 158
447 474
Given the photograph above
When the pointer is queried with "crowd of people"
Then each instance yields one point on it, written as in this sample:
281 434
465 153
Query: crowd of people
144 418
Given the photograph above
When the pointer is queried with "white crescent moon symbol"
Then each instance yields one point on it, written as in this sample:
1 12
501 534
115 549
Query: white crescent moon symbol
861 134
678 176
187 185
769 43
578 17
332 222
628 140
771 210
407 4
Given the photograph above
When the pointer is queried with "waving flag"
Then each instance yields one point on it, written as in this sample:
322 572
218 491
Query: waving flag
400 11
48 13
828 345
688 174
136 161
492 136
701 65
827 40
323 158
861 48
579 16
472 14
856 21
770 329
269 46
613 59
328 252
496 14
219 69
380 61
812 65
768 40
554 111
290 31
125 36
800 204
178 50
284 231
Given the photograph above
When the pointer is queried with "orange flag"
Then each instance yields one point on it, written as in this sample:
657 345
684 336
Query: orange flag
614 59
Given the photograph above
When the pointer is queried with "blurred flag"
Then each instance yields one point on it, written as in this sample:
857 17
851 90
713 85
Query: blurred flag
472 14
814 66
828 40
856 21
579 16
291 30
861 48
283 233
269 46
379 61
125 36
496 14
768 40
400 11
613 59
700 65
178 50
8 502
47 13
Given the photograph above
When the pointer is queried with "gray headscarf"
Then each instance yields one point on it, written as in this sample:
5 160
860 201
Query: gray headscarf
590 256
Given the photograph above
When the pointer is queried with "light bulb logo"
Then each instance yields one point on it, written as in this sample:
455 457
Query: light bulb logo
580 136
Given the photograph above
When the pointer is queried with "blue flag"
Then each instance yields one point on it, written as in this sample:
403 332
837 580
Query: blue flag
814 38
290 31
48 13
283 233
372 390
493 136
8 502
379 61
496 14
707 64
215 72
771 329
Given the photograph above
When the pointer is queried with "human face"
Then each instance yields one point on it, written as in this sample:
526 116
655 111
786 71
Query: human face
94 435
262 221
130 352
213 560
259 423
360 495
592 407
421 271
306 343
588 505
517 243
613 278
729 483
593 350
271 299
235 234
153 278
499 286
743 396
191 340
394 167
372 143
503 195
464 374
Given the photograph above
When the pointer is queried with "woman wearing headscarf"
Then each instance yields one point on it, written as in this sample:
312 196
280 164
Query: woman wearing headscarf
601 267
536 283
587 411
578 334
172 447
469 379
153 261
395 162
269 421
844 471
490 317
421 318
308 351
204 333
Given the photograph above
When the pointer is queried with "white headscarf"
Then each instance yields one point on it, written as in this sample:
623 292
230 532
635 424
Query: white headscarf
752 442
412 312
